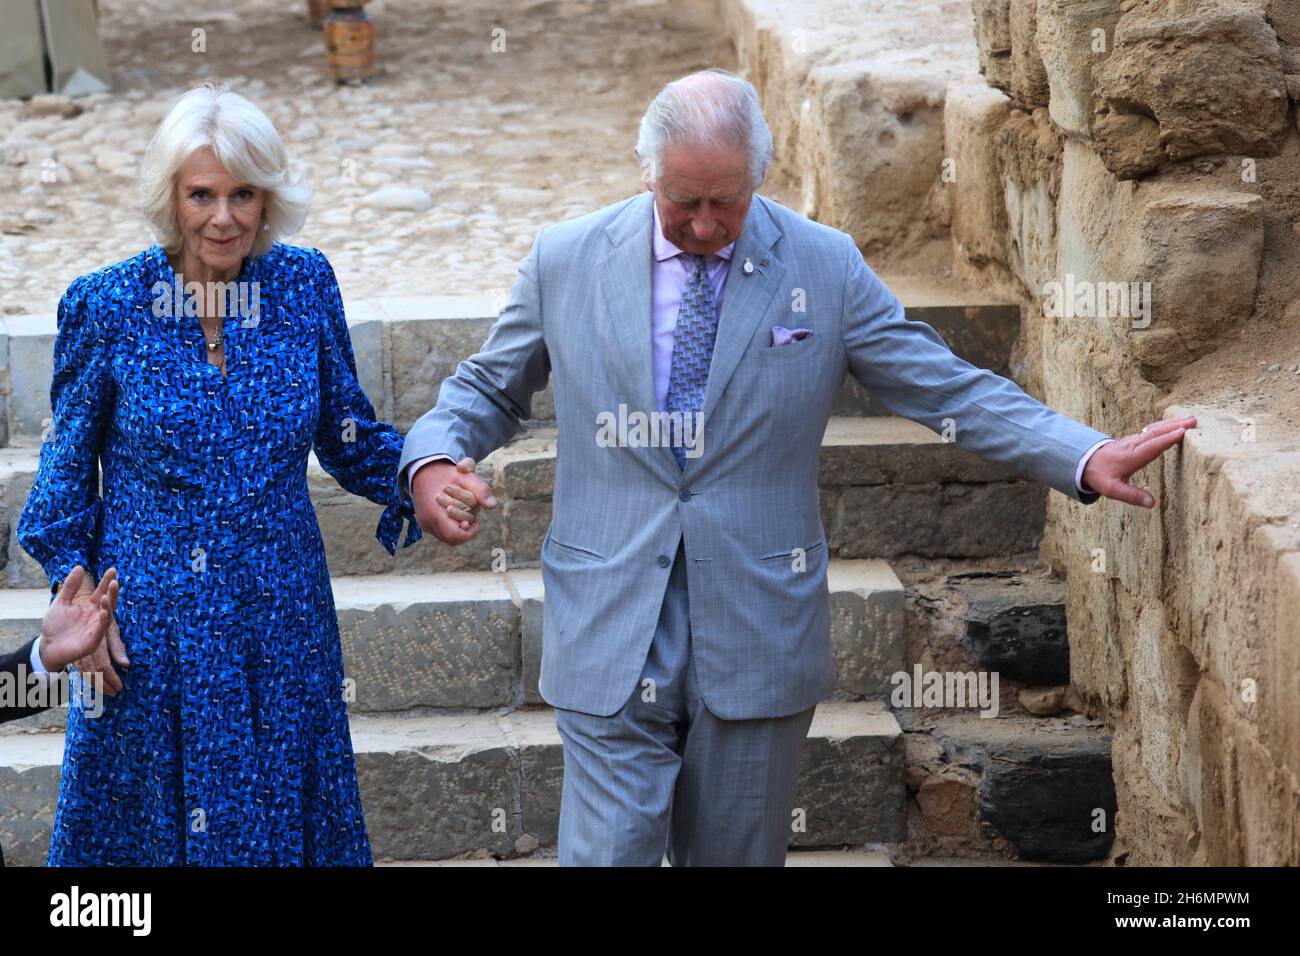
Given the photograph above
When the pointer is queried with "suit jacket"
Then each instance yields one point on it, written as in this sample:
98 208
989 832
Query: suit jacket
580 311
9 664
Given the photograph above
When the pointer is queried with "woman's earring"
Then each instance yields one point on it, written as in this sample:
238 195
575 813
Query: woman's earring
264 223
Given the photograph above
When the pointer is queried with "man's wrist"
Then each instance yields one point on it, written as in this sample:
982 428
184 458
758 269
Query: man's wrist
1083 465
419 463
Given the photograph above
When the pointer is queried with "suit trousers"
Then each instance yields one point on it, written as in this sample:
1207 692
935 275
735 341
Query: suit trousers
664 774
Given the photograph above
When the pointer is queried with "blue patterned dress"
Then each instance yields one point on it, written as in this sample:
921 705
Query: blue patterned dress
229 743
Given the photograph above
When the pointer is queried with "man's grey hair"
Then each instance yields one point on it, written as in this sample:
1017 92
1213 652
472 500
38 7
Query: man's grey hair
710 108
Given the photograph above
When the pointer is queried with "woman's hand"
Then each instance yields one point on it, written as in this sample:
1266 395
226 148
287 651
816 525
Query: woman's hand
447 499
79 611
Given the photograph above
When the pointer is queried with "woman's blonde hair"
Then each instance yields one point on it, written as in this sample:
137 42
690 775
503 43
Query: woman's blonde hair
248 147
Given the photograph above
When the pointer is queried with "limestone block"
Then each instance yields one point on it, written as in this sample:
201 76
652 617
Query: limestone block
867 150
1284 669
1073 37
1202 254
1284 16
1178 87
854 97
1029 85
972 117
1029 155
993 35
1231 548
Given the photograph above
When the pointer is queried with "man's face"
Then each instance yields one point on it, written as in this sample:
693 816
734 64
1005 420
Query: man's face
703 195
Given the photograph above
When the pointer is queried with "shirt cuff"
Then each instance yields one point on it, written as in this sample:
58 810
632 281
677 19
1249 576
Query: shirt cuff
419 463
36 667
1083 463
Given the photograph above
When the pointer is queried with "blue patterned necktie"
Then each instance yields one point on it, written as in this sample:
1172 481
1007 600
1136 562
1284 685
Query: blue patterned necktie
697 325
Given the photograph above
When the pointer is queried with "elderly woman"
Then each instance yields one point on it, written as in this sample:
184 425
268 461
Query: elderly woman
226 740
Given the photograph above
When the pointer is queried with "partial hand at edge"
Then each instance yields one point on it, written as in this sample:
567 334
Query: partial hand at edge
80 625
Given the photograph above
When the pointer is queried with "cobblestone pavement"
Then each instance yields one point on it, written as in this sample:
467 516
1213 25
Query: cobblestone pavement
433 178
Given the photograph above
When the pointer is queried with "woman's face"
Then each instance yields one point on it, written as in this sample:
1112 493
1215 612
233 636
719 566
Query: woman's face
218 215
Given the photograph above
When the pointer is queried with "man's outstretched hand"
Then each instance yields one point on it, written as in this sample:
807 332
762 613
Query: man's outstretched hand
447 498
1111 465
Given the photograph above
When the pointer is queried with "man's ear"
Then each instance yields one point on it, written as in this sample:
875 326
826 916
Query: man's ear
644 167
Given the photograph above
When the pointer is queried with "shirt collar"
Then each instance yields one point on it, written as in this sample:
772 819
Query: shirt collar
663 249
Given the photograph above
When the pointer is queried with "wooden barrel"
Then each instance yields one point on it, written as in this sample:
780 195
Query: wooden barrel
349 42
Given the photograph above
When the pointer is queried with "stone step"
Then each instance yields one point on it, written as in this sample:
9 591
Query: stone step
889 486
1015 624
796 857
436 787
1045 784
406 346
474 639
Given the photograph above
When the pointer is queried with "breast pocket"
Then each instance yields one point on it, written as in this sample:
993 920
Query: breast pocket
809 350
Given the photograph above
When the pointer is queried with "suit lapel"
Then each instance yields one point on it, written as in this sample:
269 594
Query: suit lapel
746 298
625 292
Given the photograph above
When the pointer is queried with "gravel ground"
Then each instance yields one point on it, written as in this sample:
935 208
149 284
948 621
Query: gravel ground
431 179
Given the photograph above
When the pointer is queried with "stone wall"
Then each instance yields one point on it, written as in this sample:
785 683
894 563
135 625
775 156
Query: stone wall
1142 156
1162 152
854 94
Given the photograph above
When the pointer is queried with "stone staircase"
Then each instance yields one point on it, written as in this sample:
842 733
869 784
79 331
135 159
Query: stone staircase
457 754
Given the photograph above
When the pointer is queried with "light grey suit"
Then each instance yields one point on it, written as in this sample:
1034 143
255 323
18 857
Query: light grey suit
759 626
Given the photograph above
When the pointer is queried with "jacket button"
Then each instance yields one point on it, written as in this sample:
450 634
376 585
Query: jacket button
684 495
664 561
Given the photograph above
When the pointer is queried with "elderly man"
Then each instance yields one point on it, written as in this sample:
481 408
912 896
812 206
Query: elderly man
686 622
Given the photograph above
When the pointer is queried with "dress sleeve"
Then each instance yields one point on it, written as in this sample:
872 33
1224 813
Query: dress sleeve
360 452
60 524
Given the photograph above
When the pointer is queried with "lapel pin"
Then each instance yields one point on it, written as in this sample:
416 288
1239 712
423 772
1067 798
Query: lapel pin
749 266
